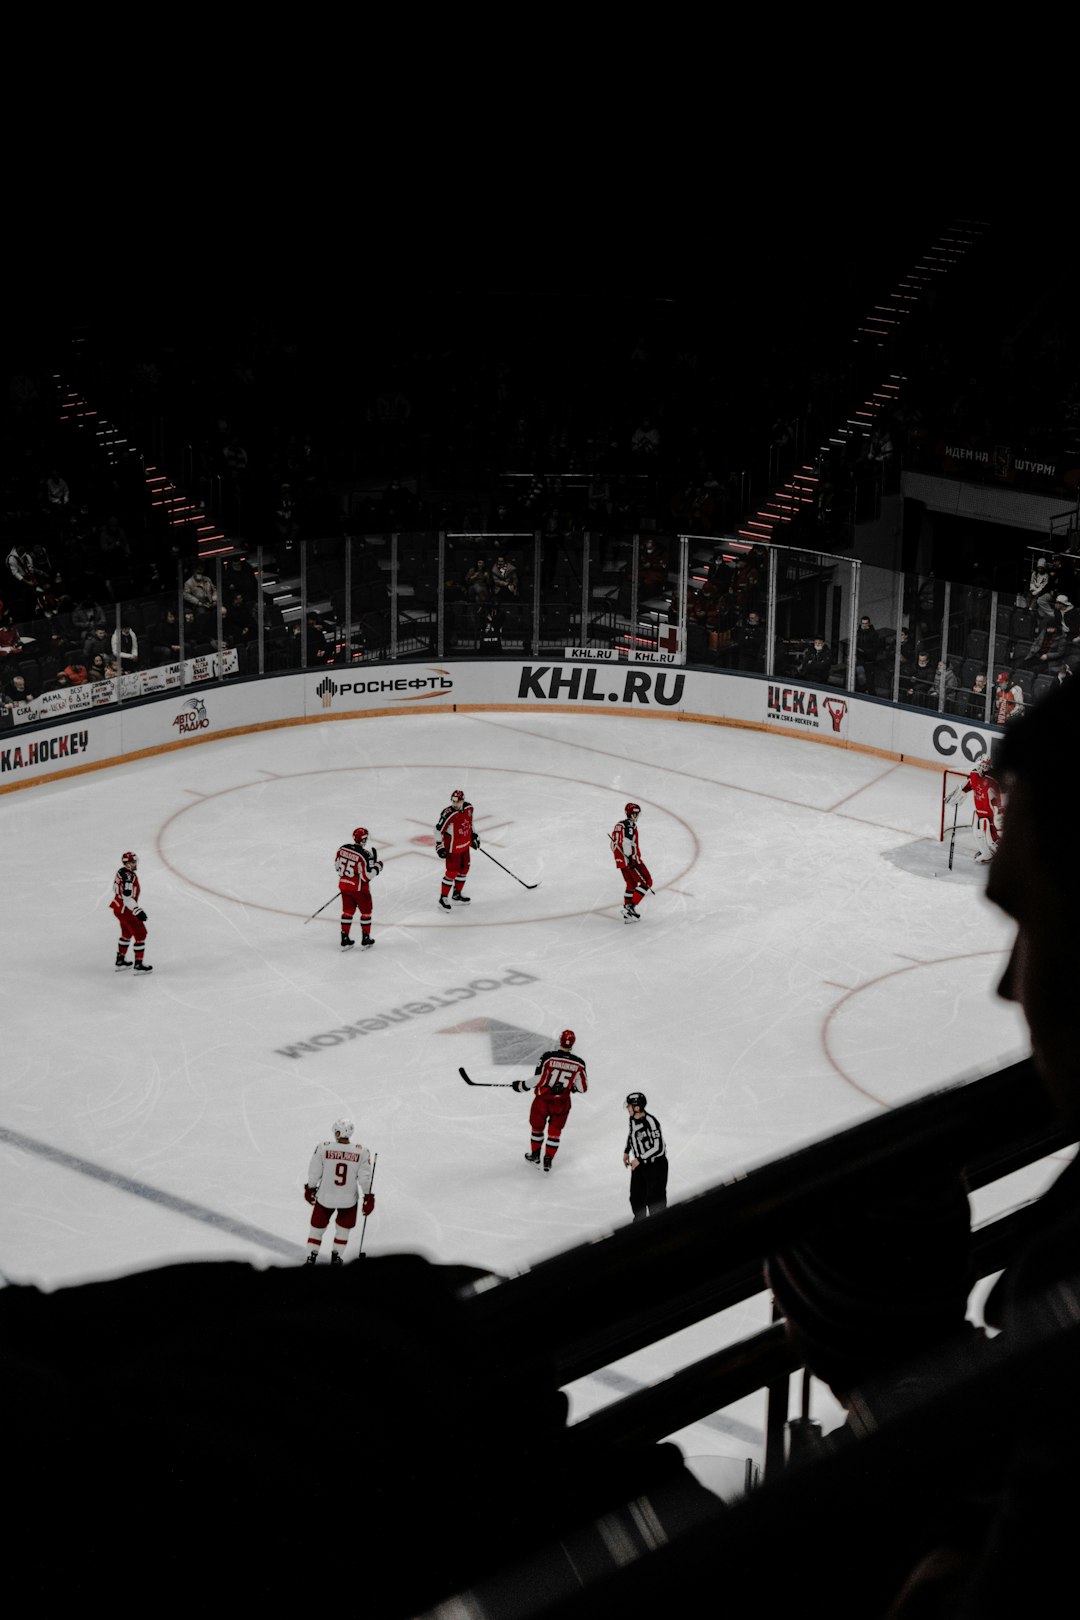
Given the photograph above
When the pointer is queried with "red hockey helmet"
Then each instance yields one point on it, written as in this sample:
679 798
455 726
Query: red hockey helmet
129 858
456 795
359 834
633 809
567 1038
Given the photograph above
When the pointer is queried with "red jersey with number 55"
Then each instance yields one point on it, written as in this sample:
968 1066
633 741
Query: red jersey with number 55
560 1073
339 1172
354 866
454 828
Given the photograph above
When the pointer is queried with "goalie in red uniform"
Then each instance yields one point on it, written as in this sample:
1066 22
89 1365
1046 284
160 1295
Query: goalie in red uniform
558 1074
626 848
984 785
125 907
454 842
356 865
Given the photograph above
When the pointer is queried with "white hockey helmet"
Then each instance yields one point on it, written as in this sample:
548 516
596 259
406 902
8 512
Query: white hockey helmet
343 1127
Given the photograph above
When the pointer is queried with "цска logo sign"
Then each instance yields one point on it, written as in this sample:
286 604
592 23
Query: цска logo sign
579 685
403 690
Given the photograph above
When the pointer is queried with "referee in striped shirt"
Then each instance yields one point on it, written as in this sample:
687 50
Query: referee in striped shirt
646 1159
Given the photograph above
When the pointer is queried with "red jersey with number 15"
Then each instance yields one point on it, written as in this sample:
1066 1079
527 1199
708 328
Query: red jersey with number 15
559 1073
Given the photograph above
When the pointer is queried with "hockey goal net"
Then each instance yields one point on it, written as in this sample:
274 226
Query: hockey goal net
958 814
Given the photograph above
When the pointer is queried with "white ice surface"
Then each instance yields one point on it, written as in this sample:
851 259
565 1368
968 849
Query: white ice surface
807 960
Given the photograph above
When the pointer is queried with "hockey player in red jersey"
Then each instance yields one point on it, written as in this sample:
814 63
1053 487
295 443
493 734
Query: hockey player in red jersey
125 907
984 785
626 847
338 1176
558 1074
356 865
454 842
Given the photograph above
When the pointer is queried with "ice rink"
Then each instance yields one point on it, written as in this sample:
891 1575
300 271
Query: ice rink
807 960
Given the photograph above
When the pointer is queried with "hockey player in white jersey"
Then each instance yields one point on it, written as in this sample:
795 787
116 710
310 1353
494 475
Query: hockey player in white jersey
338 1183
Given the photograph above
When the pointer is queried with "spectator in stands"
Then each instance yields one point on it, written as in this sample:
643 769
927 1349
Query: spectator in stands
867 655
96 641
113 544
18 687
57 493
87 616
879 1283
750 643
125 647
287 521
817 661
1065 618
1011 1548
973 699
946 694
504 578
240 576
645 440
478 581
1038 584
96 669
11 642
1009 698
200 592
652 566
239 623
919 688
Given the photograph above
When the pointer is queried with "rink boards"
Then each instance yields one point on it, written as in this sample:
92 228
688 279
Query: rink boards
89 740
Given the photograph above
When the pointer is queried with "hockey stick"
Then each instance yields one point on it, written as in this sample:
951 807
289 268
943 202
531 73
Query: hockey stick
314 914
361 1255
492 1083
507 870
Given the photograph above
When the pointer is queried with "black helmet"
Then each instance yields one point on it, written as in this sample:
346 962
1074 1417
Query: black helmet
636 1099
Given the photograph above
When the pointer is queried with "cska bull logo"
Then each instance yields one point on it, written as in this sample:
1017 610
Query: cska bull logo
192 717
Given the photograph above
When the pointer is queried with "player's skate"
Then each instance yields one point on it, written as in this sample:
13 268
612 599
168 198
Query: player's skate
335 1258
312 1257
462 899
143 967
366 943
444 902
347 941
532 1158
629 914
548 1163
122 962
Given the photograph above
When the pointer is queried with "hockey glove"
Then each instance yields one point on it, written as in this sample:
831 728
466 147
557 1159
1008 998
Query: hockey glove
441 851
140 914
376 867
476 840
369 1203
310 1193
521 1085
